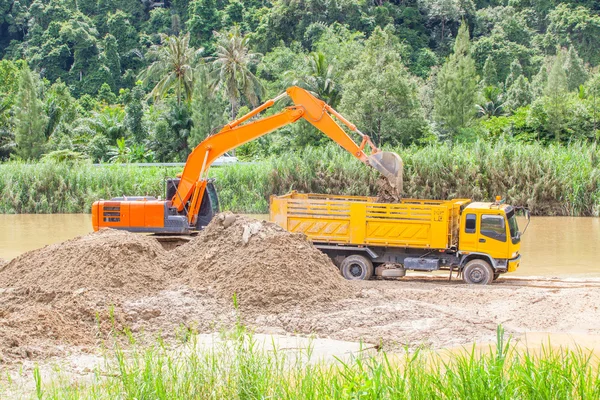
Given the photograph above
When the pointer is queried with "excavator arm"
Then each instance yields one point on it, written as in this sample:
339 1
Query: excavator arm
315 111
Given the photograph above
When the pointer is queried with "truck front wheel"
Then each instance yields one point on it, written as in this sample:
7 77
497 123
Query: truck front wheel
478 272
357 268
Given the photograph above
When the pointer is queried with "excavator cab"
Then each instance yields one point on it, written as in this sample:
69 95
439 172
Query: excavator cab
209 206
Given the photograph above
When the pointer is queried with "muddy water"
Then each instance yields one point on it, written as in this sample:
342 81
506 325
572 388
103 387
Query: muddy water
552 246
561 246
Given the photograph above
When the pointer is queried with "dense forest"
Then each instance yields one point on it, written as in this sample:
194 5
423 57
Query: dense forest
136 81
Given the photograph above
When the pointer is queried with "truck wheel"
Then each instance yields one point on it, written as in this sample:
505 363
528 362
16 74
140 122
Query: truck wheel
478 272
357 268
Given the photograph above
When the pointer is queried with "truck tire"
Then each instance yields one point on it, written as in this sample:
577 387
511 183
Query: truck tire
357 267
478 272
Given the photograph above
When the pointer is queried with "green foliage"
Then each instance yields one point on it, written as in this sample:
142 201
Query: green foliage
134 114
204 19
321 78
574 26
490 75
575 70
549 180
493 104
106 95
231 69
207 108
456 83
379 61
112 60
30 120
172 68
519 94
241 366
515 71
556 94
171 134
381 98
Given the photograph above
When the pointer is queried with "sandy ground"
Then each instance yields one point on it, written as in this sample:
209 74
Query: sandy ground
413 311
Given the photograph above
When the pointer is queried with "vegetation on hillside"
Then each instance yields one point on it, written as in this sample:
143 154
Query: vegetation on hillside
134 81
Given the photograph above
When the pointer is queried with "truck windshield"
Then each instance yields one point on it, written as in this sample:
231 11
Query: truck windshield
513 226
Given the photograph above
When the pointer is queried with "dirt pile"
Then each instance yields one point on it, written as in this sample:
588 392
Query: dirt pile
264 265
80 292
71 292
386 193
3 262
110 260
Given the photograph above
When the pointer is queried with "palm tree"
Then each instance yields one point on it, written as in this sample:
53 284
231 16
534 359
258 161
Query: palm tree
109 122
174 64
321 79
493 106
119 153
231 69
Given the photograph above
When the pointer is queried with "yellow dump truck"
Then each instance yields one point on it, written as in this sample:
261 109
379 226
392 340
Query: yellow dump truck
366 238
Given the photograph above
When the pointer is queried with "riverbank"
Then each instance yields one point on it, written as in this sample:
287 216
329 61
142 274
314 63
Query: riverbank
549 180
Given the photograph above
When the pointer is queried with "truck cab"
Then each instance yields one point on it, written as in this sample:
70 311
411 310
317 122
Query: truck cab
489 233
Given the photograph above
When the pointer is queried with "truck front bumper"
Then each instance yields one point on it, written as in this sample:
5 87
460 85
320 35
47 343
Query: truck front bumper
514 263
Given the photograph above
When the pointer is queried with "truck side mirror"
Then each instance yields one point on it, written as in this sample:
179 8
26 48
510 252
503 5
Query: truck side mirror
528 216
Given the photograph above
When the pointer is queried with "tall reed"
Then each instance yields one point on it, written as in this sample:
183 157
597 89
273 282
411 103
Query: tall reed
549 180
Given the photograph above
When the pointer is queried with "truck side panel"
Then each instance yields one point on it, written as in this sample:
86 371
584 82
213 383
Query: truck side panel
359 220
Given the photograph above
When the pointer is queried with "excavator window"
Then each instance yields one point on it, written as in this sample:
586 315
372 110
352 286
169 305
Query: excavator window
214 199
209 207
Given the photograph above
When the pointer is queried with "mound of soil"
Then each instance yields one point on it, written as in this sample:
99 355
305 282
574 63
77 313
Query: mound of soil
261 263
83 290
3 262
110 260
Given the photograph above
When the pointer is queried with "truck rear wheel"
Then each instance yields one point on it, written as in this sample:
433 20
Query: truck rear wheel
357 267
478 272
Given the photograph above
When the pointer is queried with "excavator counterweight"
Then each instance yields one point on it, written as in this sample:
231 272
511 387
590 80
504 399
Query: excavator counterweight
191 200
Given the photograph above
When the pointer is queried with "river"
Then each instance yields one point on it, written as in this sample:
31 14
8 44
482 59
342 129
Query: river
552 246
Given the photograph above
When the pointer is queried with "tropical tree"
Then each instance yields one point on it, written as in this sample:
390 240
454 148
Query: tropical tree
231 69
29 117
174 62
109 122
493 104
208 108
454 103
321 79
556 96
120 152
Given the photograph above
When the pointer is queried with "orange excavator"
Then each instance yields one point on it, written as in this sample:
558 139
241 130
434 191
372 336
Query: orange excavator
191 199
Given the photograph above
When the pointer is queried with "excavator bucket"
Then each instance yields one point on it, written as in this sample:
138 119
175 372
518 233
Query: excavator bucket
390 166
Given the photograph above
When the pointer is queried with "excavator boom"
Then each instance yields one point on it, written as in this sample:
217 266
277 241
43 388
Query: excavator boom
180 212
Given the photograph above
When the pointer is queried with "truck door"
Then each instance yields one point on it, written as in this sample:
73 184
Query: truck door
492 236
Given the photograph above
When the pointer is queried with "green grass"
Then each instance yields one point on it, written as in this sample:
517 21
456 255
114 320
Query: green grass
549 180
241 369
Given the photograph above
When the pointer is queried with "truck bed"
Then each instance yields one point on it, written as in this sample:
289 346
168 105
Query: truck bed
361 220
